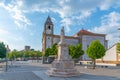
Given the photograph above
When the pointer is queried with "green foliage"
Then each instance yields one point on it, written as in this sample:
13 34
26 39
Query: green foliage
14 54
51 51
24 54
2 50
76 51
118 47
10 56
54 49
47 52
96 50
38 53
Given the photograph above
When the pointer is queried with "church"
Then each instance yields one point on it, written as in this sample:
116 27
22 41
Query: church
83 37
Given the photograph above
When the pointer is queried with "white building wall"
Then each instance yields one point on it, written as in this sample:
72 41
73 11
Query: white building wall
110 54
68 41
56 40
48 42
71 41
48 31
119 57
86 40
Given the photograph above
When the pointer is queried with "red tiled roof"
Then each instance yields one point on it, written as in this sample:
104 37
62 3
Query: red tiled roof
85 32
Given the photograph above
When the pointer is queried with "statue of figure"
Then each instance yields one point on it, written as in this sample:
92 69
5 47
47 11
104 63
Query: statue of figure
63 66
62 35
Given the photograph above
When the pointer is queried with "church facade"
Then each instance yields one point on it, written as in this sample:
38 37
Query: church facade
83 37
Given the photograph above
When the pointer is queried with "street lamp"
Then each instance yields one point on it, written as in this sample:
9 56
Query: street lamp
7 49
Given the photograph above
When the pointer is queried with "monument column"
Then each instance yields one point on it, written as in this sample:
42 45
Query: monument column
63 66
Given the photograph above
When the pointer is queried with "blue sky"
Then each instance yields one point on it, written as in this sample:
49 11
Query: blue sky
22 21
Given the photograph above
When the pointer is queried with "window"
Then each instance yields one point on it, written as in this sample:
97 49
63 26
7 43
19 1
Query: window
49 27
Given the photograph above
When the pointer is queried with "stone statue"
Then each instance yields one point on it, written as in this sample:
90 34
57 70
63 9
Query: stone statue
63 66
62 35
63 51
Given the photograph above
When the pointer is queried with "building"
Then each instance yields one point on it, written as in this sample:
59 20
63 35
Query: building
112 56
83 36
27 48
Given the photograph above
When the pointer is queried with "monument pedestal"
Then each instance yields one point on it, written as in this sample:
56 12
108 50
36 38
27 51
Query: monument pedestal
62 68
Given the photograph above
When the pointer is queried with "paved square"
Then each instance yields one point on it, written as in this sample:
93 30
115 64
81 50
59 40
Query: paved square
43 76
36 71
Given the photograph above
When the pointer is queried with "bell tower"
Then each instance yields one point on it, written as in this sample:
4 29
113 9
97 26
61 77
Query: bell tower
47 38
48 26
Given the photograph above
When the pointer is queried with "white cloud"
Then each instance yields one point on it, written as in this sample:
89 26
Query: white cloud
66 22
14 8
106 4
72 12
3 31
109 25
10 38
67 9
54 20
3 37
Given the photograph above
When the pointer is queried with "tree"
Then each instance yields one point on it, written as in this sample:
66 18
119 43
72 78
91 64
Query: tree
118 47
54 49
48 51
10 56
51 51
2 50
95 51
13 55
38 55
76 51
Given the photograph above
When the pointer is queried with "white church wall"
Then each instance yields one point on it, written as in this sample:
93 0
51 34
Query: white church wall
110 54
86 40
72 41
68 41
56 40
48 31
48 42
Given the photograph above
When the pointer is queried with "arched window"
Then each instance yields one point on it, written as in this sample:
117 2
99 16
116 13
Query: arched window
49 27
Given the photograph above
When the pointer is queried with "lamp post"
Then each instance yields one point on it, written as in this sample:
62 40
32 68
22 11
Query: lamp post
7 48
6 63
